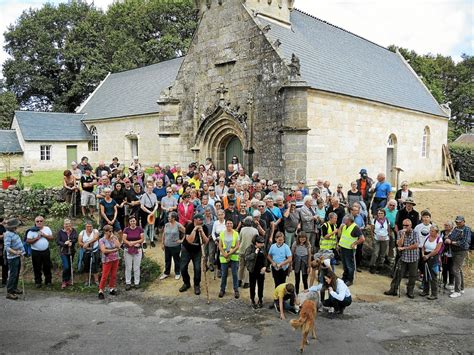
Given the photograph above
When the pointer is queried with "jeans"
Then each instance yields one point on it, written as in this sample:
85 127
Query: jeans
132 261
286 305
172 253
378 203
186 258
338 305
67 272
109 269
379 252
279 276
41 264
289 238
430 278
458 261
256 279
304 277
358 255
210 250
13 275
234 265
412 269
243 272
347 256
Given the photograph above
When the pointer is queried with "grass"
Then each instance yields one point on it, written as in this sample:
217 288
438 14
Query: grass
467 183
53 178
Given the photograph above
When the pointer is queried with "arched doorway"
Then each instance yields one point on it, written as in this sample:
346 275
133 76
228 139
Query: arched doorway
391 174
233 148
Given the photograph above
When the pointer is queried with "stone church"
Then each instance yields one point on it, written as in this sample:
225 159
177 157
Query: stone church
294 96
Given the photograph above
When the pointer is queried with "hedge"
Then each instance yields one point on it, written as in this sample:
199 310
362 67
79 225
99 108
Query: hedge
463 160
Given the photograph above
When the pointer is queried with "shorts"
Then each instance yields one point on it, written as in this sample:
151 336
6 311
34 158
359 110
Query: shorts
87 199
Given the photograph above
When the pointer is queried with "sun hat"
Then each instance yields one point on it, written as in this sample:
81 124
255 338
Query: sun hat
410 201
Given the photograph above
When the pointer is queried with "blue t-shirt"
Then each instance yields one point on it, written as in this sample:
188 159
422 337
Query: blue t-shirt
280 254
160 193
108 207
382 189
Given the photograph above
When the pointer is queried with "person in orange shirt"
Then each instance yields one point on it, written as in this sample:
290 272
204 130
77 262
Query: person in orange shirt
231 196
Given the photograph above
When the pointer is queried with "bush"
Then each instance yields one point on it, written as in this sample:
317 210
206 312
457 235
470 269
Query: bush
38 186
59 209
463 160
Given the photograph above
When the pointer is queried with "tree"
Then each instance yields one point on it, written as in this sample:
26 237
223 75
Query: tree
59 54
8 105
462 95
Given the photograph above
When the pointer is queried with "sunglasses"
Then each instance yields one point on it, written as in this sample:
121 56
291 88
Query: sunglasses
406 225
39 221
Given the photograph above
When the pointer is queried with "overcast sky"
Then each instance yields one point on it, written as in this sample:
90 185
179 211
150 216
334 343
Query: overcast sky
427 26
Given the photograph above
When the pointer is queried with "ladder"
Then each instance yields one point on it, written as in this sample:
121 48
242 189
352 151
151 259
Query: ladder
448 163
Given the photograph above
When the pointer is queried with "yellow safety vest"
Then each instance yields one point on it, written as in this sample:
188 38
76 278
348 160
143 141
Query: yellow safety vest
346 238
328 244
235 256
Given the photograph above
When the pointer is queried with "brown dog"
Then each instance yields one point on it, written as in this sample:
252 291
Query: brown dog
306 321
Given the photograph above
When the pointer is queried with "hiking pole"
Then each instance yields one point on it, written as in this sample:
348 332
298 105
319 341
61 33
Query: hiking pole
22 260
355 263
90 268
203 267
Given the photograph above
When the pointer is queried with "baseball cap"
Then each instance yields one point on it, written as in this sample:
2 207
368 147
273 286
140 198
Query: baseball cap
231 191
259 240
199 216
363 171
460 219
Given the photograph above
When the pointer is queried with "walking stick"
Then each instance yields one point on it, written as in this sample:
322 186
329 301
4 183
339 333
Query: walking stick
90 268
355 263
72 270
203 267
22 260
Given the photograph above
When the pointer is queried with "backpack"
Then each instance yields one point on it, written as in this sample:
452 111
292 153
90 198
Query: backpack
27 246
440 252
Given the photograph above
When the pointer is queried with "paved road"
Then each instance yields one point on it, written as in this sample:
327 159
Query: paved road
138 323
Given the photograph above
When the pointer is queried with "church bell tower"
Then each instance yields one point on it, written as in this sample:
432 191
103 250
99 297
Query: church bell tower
272 10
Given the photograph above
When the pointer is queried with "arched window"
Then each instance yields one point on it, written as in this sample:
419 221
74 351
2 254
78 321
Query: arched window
94 144
425 145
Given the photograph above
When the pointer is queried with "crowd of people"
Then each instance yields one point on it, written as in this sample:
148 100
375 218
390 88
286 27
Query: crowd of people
228 222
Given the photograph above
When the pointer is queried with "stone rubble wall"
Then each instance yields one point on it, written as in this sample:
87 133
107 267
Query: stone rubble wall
16 203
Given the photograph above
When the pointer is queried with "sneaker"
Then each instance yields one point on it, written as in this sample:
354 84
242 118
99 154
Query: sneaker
292 310
128 287
431 297
163 276
359 270
240 283
137 286
12 296
153 244
339 310
254 305
461 292
449 287
184 288
145 246
372 270
101 296
236 294
221 293
113 292
197 290
410 296
348 283
177 277
260 304
246 285
390 293
423 294
455 294
18 292
63 285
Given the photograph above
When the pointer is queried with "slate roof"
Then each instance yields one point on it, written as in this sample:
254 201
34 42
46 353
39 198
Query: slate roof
132 92
9 142
52 126
338 61
466 138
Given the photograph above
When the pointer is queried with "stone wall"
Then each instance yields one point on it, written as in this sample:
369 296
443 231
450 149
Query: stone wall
348 134
16 203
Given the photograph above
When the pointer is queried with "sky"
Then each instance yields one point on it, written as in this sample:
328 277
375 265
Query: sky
427 26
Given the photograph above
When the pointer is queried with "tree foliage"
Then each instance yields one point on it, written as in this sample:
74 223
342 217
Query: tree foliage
59 54
448 82
8 105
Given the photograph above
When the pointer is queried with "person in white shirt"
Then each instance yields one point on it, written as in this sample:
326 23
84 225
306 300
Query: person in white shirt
217 229
339 294
38 237
381 239
89 242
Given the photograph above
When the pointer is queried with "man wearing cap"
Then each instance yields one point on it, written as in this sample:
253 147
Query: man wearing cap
408 212
13 250
459 240
364 184
87 194
196 234
302 188
230 196
232 214
246 237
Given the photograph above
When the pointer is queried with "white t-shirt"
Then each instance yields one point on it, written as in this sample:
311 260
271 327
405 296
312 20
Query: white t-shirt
41 244
381 230
88 237
422 231
217 228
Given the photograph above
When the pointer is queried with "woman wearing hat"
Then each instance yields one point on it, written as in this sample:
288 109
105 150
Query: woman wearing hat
109 247
402 194
14 250
255 261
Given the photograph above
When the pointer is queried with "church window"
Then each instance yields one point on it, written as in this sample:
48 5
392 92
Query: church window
45 152
425 146
94 144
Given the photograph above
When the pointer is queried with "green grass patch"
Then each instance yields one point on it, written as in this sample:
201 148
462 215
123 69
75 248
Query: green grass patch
467 183
52 178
